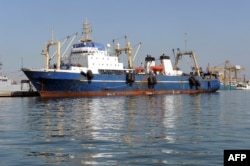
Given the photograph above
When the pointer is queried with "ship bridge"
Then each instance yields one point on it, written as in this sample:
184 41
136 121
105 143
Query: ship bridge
97 45
88 48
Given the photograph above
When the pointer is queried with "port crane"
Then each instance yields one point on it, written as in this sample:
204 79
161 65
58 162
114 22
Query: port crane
228 73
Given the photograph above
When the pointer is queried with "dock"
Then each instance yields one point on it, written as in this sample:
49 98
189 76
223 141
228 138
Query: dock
19 94
8 88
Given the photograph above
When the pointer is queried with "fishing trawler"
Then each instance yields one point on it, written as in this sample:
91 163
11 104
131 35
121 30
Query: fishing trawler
92 71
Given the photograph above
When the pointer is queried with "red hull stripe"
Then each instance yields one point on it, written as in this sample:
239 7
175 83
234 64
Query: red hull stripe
117 93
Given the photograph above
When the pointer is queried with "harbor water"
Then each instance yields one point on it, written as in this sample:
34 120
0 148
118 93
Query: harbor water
136 130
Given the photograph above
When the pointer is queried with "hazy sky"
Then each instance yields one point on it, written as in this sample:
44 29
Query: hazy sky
218 30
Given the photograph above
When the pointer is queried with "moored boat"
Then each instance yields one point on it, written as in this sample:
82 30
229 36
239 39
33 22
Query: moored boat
10 88
243 86
92 71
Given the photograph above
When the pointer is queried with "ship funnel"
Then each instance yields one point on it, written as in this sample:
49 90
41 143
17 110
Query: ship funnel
166 62
149 61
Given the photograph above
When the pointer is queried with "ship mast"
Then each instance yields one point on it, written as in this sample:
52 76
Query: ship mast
87 30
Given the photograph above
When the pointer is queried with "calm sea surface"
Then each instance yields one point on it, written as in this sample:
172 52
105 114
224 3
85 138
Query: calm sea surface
141 130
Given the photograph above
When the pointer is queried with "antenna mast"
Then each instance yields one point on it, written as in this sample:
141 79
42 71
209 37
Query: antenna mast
87 30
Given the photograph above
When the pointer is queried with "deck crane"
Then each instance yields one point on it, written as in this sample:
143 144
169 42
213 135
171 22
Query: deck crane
113 41
70 43
73 36
137 50
192 54
128 50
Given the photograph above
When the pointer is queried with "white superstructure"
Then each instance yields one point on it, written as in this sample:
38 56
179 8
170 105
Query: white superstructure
94 56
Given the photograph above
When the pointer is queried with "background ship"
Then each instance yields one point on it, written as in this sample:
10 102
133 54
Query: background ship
90 70
10 88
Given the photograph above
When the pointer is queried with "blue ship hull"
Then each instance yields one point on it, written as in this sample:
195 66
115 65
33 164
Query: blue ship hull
227 87
67 84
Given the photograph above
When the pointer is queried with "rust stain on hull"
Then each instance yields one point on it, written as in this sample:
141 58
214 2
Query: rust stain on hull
118 93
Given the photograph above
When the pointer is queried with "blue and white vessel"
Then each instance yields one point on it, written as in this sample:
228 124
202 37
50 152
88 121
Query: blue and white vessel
92 71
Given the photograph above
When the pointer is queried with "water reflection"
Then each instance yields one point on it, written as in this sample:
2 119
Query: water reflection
82 123
142 130
115 130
